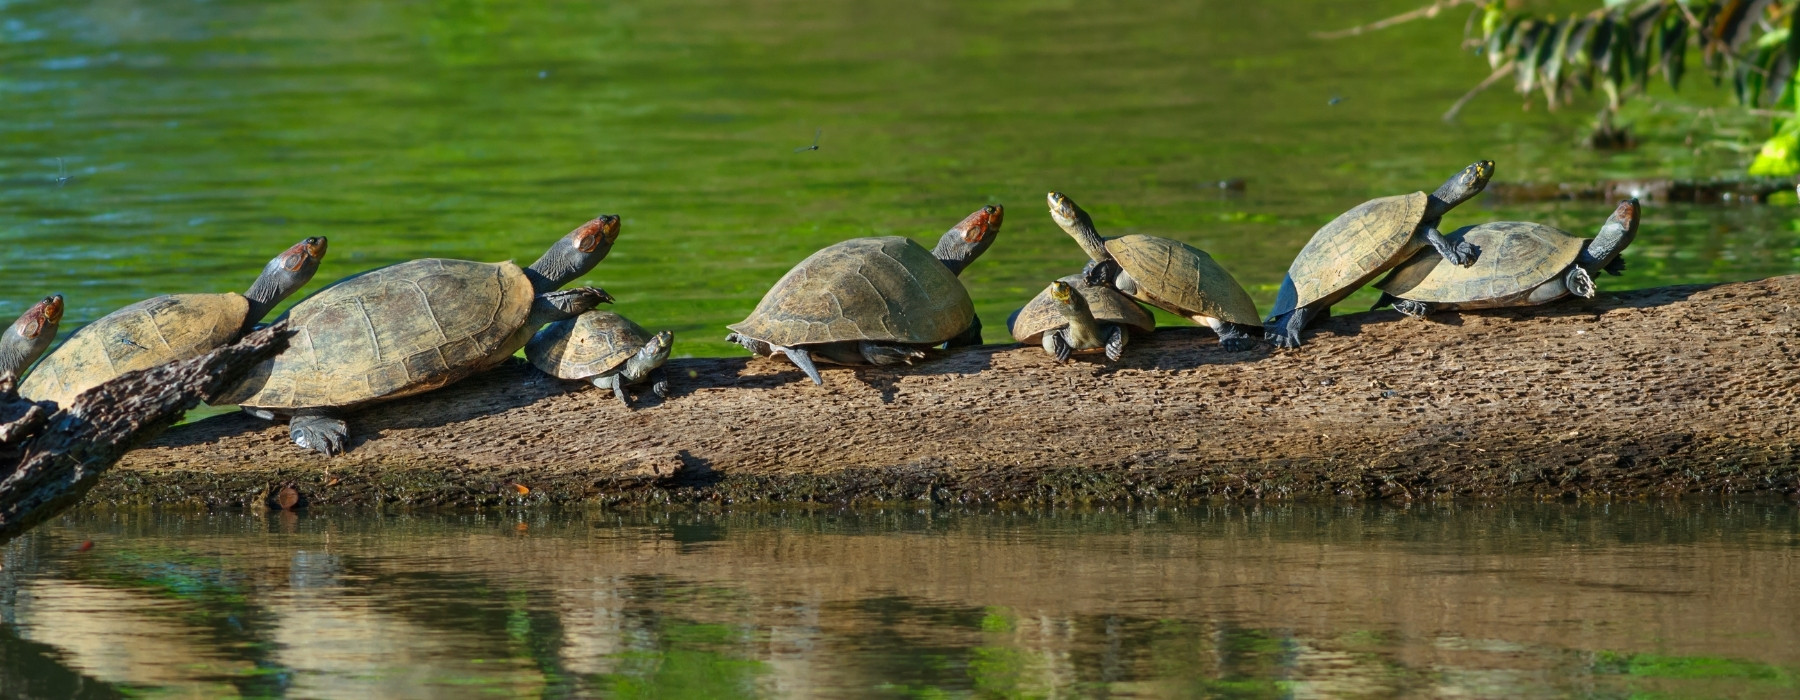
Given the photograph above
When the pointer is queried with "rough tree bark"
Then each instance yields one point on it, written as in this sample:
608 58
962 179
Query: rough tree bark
50 458
1659 391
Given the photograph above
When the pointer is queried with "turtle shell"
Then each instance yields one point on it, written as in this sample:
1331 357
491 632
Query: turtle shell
1040 316
1182 279
393 332
588 345
150 333
1516 257
1356 247
883 289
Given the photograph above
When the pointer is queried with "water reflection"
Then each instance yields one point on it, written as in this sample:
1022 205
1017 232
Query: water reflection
1292 601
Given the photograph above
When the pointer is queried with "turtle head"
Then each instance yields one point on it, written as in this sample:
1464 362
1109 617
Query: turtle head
1466 184
969 239
1068 301
1615 234
284 275
649 357
30 335
1076 222
574 254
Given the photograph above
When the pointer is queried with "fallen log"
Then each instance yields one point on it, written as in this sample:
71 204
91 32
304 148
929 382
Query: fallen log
50 457
1651 392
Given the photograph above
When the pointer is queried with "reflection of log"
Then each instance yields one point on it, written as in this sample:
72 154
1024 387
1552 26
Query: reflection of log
1655 190
1658 391
51 458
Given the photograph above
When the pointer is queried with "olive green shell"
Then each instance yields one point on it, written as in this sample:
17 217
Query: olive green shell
588 345
150 333
1356 247
393 332
882 289
1040 316
1182 279
1516 257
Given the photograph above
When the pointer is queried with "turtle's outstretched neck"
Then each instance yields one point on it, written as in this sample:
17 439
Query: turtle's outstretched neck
29 336
574 254
1076 222
283 276
1620 229
1460 188
969 239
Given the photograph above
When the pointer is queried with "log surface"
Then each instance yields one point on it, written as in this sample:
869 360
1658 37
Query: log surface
1652 392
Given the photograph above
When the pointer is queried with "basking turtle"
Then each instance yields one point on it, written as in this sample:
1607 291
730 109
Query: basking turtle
1522 264
605 349
28 336
872 301
412 327
1364 242
1167 274
168 328
1070 316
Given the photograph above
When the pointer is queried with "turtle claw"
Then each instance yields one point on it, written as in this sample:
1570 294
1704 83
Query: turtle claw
1616 267
321 433
1100 273
1415 309
1465 254
659 384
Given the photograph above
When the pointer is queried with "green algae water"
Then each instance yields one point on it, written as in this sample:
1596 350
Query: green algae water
150 148
1671 600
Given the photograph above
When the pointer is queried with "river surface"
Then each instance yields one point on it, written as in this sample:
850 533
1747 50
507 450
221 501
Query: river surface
1668 600
149 148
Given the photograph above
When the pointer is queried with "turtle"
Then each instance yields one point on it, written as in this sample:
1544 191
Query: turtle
168 328
1360 244
1522 264
1168 274
872 301
1070 316
605 349
412 327
29 336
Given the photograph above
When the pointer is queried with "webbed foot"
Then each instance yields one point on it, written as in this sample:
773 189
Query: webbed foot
1460 253
659 383
884 355
1616 267
1115 342
1058 346
322 433
1285 333
1415 309
1100 273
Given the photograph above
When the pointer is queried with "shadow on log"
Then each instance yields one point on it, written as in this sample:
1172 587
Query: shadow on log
1651 392
50 458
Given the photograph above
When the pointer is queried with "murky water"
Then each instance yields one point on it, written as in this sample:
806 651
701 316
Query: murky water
149 148
1517 600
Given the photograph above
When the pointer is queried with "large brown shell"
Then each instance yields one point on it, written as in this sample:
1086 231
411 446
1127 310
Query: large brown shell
882 289
588 345
1516 256
150 333
392 332
1182 279
1356 247
1108 306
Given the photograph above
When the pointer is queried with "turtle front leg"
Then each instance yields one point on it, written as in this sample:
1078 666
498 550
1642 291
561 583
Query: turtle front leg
888 354
1285 332
1116 338
1415 309
803 360
1232 337
969 336
1101 273
319 431
1459 253
611 381
659 383
1057 345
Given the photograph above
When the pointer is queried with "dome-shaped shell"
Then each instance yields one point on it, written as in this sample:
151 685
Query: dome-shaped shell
150 333
882 289
1183 279
1516 256
1356 246
588 345
392 332
1040 316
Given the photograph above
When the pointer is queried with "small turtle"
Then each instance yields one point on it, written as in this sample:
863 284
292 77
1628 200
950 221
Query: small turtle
168 328
1070 316
605 349
412 327
1522 264
872 301
1170 275
29 336
1364 242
